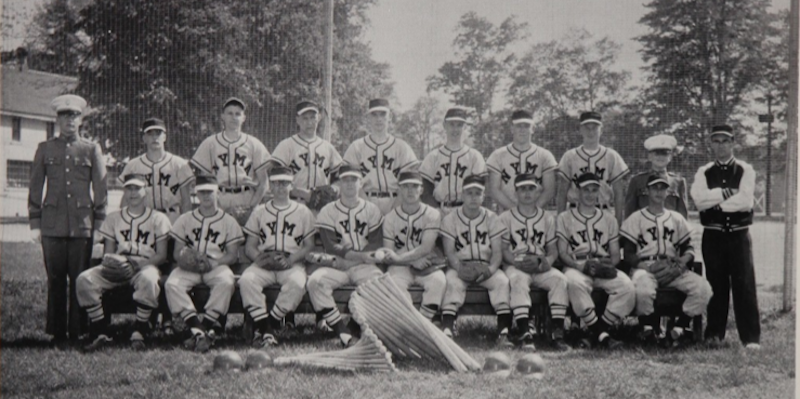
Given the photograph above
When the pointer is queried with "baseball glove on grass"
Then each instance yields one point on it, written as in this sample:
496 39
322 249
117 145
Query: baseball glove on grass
531 264
600 268
191 260
474 271
273 260
321 196
116 268
666 270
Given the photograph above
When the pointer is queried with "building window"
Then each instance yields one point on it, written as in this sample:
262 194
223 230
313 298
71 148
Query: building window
16 128
51 130
18 173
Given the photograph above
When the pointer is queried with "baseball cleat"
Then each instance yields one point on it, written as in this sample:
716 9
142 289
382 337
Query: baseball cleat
605 341
203 343
558 341
648 337
264 340
323 326
137 341
503 342
680 337
753 346
525 341
448 333
98 343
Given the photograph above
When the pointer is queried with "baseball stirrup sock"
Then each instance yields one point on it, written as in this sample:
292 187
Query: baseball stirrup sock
277 313
95 313
610 318
589 318
428 311
558 311
143 313
257 312
448 319
331 316
504 321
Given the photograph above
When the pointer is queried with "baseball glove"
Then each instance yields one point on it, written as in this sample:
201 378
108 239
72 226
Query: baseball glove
474 271
273 260
429 264
321 196
600 268
666 270
191 260
116 268
531 264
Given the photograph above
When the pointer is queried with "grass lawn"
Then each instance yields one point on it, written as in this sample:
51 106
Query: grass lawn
30 368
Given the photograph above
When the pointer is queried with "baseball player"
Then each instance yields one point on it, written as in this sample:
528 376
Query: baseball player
532 231
444 169
656 234
473 232
409 233
659 152
591 157
238 160
168 176
586 234
521 156
140 234
213 233
350 229
381 157
723 193
313 161
287 227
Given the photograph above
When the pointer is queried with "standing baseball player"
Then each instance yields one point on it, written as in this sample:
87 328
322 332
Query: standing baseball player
444 169
591 157
168 176
206 242
381 157
658 248
474 233
350 229
529 250
409 233
139 234
313 161
280 234
659 152
521 157
66 203
238 160
588 246
723 193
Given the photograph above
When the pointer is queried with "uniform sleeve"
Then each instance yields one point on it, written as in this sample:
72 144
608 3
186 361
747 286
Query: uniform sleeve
36 188
683 203
203 158
561 225
309 224
351 155
334 157
478 163
548 161
283 152
550 228
613 227
628 229
496 227
704 197
325 219
619 168
261 156
505 221
493 162
409 158
446 228
107 228
99 185
743 200
375 218
178 231
388 225
253 225
565 166
185 174
434 220
683 233
428 167
162 226
233 232
630 197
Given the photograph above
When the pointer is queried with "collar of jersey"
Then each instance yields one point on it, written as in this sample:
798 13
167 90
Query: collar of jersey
147 162
403 215
651 216
224 141
464 218
446 151
373 144
517 152
197 215
578 215
601 149
343 208
304 141
127 217
517 214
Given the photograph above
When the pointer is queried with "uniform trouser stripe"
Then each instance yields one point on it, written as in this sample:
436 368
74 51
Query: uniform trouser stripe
589 318
257 313
610 318
95 313
188 314
278 313
558 311
211 316
448 312
332 317
520 312
143 313
427 312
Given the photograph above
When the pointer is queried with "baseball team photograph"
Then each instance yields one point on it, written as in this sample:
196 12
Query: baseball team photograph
398 199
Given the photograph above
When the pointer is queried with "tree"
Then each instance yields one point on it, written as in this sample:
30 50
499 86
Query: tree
422 126
55 46
562 77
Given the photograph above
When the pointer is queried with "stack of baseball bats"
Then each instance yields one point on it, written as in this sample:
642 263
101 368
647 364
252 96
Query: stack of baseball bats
367 354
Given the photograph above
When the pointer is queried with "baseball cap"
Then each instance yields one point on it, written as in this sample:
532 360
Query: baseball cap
234 101
474 181
349 170
153 124
591 117
410 178
660 142
134 179
68 103
206 183
525 179
305 106
521 116
726 130
378 104
656 179
587 179
456 114
281 173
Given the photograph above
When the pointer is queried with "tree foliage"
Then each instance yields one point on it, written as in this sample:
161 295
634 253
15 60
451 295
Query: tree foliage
421 126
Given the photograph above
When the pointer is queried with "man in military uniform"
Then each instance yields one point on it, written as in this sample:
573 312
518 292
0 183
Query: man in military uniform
64 220
660 149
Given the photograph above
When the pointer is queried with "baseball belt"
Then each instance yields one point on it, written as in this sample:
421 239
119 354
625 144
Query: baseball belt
654 257
571 205
451 204
588 257
235 190
381 195
167 210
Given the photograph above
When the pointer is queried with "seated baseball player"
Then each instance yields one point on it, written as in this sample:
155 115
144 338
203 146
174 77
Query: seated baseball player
657 244
588 246
350 229
206 242
279 235
135 244
409 235
472 237
529 250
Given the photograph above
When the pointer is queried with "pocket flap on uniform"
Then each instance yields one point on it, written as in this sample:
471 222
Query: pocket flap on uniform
52 161
83 203
83 162
51 201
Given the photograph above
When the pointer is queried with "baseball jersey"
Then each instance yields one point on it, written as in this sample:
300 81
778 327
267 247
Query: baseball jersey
528 234
473 237
446 169
234 163
380 163
311 161
281 229
164 179
587 235
136 235
606 163
510 162
662 234
352 226
207 234
406 230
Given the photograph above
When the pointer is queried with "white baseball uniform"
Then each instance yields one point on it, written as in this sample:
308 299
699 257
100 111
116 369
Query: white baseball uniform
661 237
531 235
311 161
405 232
209 235
446 169
164 179
606 163
284 230
509 162
589 237
473 241
381 164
